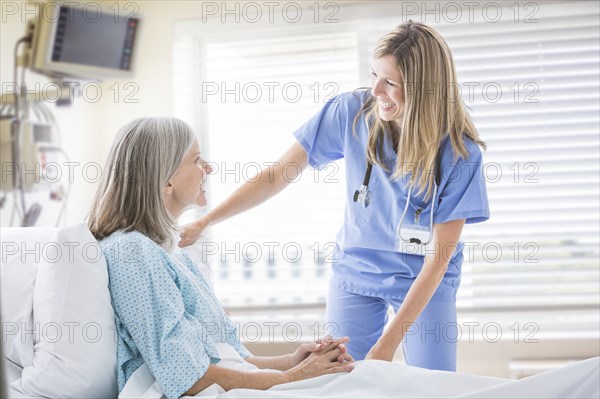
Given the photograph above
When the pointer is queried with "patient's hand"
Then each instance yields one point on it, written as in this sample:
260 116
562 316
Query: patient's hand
329 359
305 350
191 232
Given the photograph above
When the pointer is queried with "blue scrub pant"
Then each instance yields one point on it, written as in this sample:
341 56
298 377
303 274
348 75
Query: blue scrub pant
429 343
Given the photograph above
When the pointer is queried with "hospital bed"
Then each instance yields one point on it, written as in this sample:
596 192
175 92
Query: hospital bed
58 339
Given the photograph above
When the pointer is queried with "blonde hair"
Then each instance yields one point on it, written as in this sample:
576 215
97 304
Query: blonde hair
143 158
432 108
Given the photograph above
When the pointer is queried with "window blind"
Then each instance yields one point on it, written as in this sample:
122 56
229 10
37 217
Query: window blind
263 90
532 87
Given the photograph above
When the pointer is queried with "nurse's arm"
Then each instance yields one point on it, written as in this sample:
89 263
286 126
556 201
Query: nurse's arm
266 184
445 236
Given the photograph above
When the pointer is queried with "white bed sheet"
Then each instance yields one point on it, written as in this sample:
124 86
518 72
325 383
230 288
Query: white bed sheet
13 380
378 379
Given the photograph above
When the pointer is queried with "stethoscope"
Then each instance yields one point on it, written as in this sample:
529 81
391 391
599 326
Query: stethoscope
363 196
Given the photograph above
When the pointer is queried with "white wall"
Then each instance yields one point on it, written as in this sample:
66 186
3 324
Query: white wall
88 128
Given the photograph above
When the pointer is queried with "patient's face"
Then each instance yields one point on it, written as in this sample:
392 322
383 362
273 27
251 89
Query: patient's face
189 180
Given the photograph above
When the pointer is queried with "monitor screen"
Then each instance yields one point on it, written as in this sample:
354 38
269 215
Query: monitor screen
105 42
72 42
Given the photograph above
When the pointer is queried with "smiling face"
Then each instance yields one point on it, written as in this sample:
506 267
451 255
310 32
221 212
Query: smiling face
186 187
387 86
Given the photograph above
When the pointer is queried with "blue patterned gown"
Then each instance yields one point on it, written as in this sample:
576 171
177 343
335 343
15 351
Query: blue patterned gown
166 314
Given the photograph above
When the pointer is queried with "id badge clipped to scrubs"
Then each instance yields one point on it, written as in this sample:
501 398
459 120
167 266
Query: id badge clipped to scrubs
414 239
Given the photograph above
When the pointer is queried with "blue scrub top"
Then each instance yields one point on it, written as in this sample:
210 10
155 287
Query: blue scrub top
367 260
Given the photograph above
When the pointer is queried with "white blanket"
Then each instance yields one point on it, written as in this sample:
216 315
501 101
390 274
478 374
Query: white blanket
377 379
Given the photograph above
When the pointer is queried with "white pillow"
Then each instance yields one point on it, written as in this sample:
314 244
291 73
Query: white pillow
22 249
75 345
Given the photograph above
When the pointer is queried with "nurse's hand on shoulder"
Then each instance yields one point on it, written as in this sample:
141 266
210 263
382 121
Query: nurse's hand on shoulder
380 352
191 232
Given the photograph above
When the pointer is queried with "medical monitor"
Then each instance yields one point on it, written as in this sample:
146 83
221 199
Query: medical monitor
83 42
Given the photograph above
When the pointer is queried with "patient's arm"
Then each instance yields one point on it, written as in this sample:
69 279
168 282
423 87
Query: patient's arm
283 362
316 364
231 379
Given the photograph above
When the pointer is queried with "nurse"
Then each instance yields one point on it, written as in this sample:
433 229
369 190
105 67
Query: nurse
414 178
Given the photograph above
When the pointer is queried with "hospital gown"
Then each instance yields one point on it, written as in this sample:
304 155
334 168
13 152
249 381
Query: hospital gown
166 314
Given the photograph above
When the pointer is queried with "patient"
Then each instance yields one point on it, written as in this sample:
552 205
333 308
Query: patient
166 315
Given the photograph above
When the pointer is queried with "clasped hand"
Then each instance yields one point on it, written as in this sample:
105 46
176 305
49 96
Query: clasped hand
324 356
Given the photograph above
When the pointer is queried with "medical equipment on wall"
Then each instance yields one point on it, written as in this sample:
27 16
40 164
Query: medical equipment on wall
67 42
416 239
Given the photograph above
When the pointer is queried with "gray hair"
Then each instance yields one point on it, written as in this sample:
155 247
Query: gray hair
143 158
